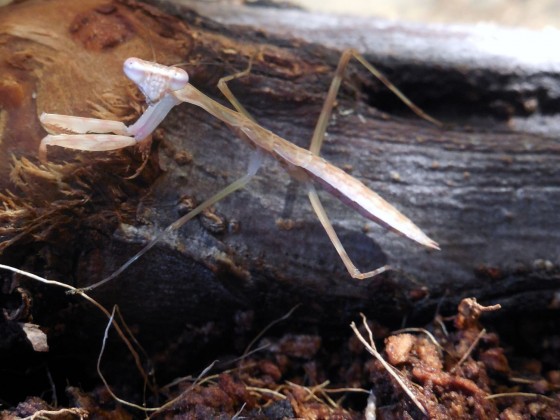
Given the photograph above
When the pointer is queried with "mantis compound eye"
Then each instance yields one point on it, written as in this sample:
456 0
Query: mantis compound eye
154 80
178 78
135 69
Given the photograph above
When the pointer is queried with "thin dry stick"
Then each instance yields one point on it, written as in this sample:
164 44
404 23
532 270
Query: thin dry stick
119 330
524 381
266 391
370 347
422 331
469 350
327 397
209 378
245 355
236 415
151 372
154 410
62 413
196 382
311 391
338 390
521 394
268 327
201 380
175 382
321 390
120 400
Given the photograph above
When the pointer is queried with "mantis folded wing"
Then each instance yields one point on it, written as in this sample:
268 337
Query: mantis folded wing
165 87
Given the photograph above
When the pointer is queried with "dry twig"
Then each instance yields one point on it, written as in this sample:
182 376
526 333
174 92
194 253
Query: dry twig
370 347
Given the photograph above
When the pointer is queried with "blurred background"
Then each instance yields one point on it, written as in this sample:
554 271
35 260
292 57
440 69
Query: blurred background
536 14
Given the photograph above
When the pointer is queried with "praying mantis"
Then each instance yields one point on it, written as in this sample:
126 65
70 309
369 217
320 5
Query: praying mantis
165 87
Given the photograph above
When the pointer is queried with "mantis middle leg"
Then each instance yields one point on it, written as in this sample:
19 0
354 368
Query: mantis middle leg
255 163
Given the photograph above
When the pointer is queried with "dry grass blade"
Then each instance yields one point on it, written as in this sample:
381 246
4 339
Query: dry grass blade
236 415
312 392
370 347
421 331
521 394
268 327
469 350
196 382
266 391
98 366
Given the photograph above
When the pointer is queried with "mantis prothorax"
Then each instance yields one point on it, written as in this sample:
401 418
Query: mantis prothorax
165 87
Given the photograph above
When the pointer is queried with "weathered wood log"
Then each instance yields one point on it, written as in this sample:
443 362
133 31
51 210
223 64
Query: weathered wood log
485 187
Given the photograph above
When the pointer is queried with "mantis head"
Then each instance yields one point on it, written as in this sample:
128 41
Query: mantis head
154 80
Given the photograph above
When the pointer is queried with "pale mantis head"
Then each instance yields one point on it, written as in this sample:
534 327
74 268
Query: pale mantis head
154 80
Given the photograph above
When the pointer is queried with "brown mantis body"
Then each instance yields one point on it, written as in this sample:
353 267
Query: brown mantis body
165 87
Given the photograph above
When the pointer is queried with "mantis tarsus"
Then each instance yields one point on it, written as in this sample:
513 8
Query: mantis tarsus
165 87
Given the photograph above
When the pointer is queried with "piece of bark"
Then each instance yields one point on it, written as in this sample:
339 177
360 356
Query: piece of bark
484 187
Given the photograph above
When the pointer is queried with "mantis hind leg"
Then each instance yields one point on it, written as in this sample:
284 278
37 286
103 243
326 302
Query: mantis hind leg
324 219
317 141
326 111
